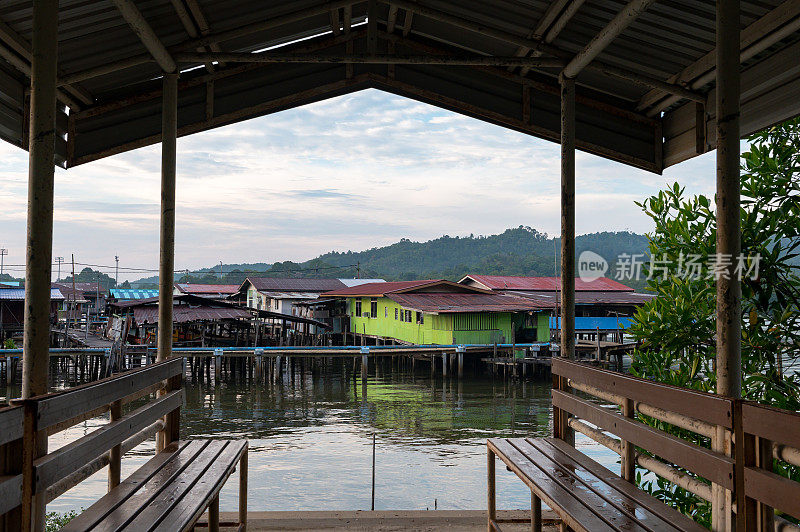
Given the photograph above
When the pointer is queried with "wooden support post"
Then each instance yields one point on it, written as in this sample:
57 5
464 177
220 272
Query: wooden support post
115 454
243 490
536 513
460 365
491 502
166 265
729 292
444 364
213 515
39 250
217 365
364 366
567 245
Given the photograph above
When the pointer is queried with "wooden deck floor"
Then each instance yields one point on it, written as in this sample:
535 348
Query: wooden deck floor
382 521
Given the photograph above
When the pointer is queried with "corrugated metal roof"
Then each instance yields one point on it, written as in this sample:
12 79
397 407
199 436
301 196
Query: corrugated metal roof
456 303
133 293
278 284
18 294
188 313
672 41
549 284
586 298
379 289
87 288
357 282
190 288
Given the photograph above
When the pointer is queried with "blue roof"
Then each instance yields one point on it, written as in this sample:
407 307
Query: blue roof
18 294
131 293
586 323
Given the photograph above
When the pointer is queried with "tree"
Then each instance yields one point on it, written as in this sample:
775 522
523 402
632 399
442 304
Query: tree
677 329
88 275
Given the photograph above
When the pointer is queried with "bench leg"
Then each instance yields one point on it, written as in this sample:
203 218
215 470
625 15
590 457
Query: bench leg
243 491
536 513
213 515
490 490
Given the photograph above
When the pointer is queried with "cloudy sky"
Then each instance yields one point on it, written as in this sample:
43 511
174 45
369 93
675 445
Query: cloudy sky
354 172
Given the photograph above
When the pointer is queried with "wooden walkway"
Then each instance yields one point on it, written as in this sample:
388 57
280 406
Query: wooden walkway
381 521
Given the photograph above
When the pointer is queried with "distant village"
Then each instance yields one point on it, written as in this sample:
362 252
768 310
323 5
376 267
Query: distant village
269 311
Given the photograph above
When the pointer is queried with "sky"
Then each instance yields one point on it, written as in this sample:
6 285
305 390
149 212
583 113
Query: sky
350 173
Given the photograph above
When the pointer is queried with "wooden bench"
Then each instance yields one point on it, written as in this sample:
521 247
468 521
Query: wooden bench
586 495
170 492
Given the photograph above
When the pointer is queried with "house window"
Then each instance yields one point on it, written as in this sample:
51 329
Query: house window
373 308
358 308
395 313
420 318
408 316
385 312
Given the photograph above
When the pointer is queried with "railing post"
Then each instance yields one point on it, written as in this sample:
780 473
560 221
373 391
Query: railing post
115 454
627 449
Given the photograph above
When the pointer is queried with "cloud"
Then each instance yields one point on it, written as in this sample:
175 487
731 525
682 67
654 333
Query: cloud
353 172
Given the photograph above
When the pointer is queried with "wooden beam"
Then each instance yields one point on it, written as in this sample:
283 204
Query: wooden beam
336 24
145 32
775 26
272 57
409 19
391 19
599 42
553 31
17 50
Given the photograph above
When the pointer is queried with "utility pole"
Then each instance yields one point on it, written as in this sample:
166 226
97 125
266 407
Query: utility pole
59 261
3 253
116 272
221 273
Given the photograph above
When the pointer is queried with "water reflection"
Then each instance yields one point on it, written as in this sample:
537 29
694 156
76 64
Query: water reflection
311 438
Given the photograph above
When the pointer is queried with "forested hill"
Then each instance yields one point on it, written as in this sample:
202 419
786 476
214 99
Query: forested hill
520 251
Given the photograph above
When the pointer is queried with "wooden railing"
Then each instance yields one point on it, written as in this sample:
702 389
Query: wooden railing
769 434
34 477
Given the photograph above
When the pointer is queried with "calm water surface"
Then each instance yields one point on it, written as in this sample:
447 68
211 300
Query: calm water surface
311 439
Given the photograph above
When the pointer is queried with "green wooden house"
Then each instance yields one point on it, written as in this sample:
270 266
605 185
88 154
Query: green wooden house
442 312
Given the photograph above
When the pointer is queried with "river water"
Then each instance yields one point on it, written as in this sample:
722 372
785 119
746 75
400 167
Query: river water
311 438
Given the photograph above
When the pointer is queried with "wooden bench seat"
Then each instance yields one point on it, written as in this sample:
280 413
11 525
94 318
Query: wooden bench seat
586 495
171 491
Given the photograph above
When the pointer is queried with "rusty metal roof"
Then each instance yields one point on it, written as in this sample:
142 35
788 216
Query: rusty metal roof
111 84
585 298
188 313
381 289
546 284
457 303
207 289
279 284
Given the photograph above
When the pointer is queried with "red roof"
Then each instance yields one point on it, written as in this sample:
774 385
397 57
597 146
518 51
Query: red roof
545 284
189 288
453 303
379 289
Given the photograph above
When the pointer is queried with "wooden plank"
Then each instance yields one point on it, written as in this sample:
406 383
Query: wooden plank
148 517
58 407
645 501
707 407
704 462
775 424
11 419
622 511
774 490
574 512
173 458
184 513
57 465
10 492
